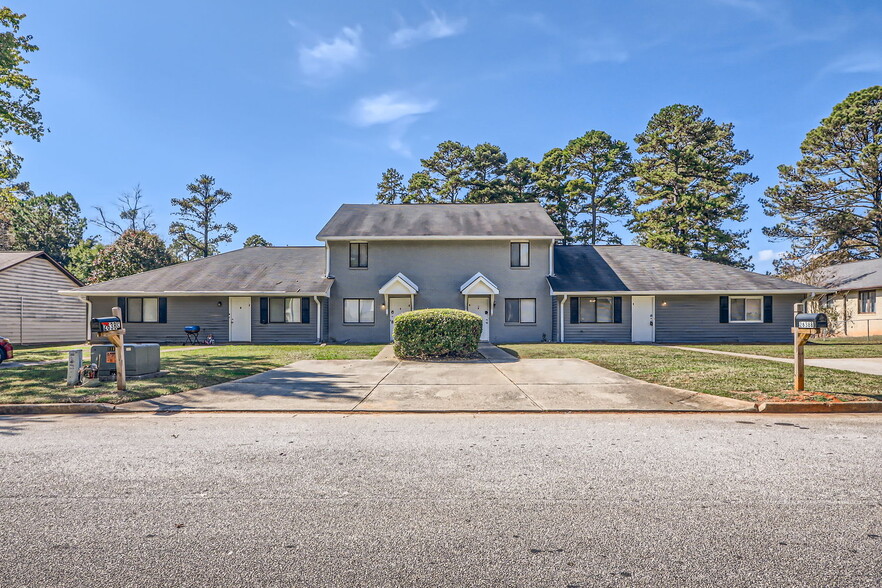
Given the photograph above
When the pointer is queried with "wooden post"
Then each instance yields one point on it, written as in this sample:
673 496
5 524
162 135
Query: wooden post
118 341
798 362
798 354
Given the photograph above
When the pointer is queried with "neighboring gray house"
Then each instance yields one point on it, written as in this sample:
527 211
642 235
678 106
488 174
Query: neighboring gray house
499 261
31 309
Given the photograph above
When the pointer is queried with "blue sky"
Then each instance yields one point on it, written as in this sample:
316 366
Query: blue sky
297 107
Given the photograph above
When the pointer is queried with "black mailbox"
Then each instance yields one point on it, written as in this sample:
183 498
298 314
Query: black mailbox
108 324
810 320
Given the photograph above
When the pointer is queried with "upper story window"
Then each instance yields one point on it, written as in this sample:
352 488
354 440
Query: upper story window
746 309
867 302
142 310
358 254
520 254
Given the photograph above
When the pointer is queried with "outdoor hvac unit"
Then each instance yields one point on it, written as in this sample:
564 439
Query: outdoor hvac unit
141 359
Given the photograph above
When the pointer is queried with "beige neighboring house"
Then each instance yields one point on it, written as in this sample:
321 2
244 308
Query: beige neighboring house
31 309
856 306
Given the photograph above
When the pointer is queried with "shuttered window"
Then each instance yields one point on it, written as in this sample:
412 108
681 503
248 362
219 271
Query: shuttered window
595 309
745 309
288 310
143 310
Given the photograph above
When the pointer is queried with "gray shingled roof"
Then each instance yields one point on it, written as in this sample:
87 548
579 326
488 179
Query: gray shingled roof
527 219
856 275
632 268
249 270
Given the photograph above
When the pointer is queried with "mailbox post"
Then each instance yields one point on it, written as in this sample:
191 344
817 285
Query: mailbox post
111 328
804 326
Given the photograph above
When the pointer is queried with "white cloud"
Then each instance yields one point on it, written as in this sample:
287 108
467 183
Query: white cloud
328 58
866 62
389 107
437 27
769 255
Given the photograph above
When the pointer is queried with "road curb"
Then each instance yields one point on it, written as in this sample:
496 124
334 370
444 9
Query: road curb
56 408
819 407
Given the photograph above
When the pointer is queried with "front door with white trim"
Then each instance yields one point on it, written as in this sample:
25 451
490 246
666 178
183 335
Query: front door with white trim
643 319
397 305
480 305
240 318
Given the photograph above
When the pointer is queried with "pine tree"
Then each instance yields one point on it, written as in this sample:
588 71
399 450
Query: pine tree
830 202
391 188
599 171
199 233
687 187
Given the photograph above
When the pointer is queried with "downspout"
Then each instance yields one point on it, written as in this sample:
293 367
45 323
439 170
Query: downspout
560 317
319 318
88 317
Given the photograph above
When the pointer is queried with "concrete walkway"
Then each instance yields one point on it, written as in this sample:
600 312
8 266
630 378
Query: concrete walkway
872 365
497 383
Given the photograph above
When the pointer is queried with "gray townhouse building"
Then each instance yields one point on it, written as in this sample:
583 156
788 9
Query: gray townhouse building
500 261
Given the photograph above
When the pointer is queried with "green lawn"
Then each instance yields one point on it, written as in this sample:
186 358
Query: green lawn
820 349
188 370
45 352
735 377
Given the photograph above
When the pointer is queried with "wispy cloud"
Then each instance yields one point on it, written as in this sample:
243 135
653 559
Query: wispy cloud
769 255
437 27
857 63
327 59
389 107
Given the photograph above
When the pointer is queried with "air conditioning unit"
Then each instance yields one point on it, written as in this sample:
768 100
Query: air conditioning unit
141 359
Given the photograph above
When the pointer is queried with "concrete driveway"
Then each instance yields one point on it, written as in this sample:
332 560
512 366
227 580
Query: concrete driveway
498 382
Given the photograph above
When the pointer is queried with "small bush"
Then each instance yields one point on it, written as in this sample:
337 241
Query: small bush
436 332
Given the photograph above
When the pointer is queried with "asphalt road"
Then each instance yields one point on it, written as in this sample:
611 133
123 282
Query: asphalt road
441 500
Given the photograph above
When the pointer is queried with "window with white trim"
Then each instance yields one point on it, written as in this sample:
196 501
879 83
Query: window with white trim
520 254
595 309
867 302
285 310
358 255
520 310
142 310
745 309
358 310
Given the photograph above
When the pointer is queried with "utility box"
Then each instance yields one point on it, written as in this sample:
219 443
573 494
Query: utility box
141 359
810 320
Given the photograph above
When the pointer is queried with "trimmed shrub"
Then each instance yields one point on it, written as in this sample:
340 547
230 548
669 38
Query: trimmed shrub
436 332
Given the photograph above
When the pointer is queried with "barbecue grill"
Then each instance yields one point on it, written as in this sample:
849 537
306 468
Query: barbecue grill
192 332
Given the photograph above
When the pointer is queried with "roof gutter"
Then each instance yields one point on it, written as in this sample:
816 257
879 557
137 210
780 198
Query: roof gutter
169 293
438 237
805 291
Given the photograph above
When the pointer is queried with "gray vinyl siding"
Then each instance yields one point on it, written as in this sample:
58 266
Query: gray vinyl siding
32 310
283 332
211 318
696 319
439 268
182 311
599 332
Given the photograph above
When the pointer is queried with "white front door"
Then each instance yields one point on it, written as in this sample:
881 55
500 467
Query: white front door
397 305
480 305
240 318
643 319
